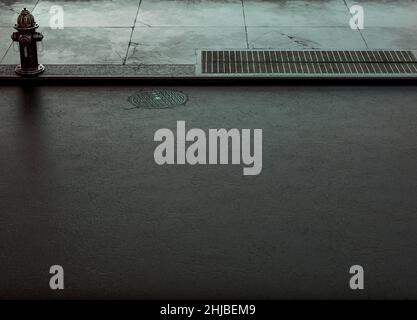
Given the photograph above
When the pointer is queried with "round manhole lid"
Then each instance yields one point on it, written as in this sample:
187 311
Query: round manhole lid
158 99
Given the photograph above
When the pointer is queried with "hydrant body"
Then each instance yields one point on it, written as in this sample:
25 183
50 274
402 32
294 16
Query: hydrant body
27 37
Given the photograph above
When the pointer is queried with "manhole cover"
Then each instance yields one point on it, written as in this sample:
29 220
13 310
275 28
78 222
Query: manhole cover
158 99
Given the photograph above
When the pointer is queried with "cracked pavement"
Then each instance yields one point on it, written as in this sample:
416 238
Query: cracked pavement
170 31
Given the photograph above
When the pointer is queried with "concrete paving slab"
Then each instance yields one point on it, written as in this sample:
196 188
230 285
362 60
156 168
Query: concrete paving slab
393 38
293 37
178 45
5 42
388 13
94 13
81 45
191 13
169 32
296 13
9 10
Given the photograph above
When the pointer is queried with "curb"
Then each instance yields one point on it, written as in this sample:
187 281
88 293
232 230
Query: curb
161 73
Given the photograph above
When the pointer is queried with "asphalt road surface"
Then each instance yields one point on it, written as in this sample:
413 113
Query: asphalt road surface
79 188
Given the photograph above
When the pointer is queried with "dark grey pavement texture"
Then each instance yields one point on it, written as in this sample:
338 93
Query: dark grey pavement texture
108 71
79 188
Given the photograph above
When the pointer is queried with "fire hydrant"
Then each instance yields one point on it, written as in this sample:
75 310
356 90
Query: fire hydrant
28 38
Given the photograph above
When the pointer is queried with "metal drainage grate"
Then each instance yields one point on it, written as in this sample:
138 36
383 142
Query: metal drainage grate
308 62
158 99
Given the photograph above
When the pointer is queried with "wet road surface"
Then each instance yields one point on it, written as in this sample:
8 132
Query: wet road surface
79 187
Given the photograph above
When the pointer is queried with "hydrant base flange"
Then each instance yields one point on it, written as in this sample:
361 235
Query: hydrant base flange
34 72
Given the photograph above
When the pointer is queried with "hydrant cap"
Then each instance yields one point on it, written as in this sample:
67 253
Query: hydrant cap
25 20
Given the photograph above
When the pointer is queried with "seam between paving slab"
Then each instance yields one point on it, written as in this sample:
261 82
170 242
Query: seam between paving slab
244 22
11 42
359 30
131 33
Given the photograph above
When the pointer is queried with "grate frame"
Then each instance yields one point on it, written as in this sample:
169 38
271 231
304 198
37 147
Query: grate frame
307 63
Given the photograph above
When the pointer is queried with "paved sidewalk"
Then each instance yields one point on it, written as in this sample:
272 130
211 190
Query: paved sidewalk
170 31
